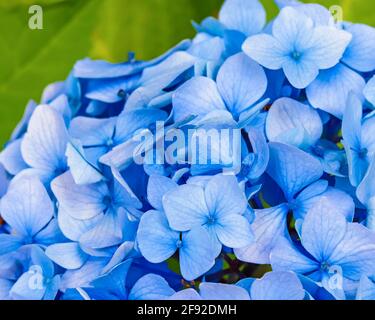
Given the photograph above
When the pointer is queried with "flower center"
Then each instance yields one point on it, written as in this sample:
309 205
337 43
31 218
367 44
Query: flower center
363 153
296 55
179 244
107 200
325 266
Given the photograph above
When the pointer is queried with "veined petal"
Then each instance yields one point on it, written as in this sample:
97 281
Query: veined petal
330 91
156 240
186 207
198 96
248 17
27 207
241 82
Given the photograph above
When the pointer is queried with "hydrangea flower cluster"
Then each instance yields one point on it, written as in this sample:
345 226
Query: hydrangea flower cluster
100 201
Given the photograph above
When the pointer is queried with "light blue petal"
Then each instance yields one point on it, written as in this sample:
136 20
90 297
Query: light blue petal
11 158
186 294
355 254
44 144
91 131
300 73
366 289
196 254
322 230
186 207
151 287
308 198
241 82
268 226
329 46
73 228
27 207
106 233
330 91
369 91
292 122
277 285
97 69
50 234
292 169
192 99
260 154
249 17
22 125
83 276
285 257
359 54
164 73
67 255
265 50
234 231
224 196
156 240
221 291
352 123
157 187
28 287
82 201
82 170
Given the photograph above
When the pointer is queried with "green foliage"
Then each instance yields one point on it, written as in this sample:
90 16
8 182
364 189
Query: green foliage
105 29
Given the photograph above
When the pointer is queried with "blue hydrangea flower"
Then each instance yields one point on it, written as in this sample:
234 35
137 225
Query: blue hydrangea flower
29 214
298 47
28 275
331 242
219 207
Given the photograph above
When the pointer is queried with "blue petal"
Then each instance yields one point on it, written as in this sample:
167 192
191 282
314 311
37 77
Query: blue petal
44 144
11 158
355 254
108 90
359 54
156 240
22 125
265 50
106 233
292 168
322 230
82 201
248 17
10 243
221 291
186 294
268 226
27 207
67 255
186 207
352 123
241 82
196 254
151 287
300 73
223 196
330 91
277 285
260 148
366 289
98 69
329 46
82 170
292 122
198 96
369 91
285 257
157 187
234 231
164 73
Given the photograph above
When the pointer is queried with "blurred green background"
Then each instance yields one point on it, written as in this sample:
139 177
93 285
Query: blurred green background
102 29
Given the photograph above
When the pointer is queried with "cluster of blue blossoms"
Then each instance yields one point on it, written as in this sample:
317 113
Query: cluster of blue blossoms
81 219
